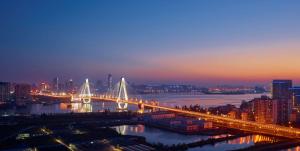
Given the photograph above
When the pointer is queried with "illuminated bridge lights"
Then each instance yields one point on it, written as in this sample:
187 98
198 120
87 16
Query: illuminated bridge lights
251 126
122 95
85 93
122 101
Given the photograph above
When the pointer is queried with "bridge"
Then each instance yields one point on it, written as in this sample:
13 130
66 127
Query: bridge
122 100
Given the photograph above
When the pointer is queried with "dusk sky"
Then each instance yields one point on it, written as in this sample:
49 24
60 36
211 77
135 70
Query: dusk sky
162 41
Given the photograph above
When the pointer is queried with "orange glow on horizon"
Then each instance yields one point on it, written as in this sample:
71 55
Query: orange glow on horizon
254 64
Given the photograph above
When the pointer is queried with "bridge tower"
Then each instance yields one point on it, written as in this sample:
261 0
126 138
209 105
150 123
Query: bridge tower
122 95
85 93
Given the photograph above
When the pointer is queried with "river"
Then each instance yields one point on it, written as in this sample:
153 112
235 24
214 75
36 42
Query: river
164 99
154 135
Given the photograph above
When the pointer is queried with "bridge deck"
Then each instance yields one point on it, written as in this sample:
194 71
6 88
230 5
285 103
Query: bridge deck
268 129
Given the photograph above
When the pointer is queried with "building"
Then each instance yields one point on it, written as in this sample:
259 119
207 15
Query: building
44 87
22 92
296 96
265 110
244 116
55 85
70 86
162 115
281 91
109 83
176 123
189 125
232 114
4 91
293 116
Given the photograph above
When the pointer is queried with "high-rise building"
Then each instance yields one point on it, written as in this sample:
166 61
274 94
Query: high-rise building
22 92
55 84
109 83
244 116
265 110
296 96
69 86
281 91
4 91
44 87
232 114
99 86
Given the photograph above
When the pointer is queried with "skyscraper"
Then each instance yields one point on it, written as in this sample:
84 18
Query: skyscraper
69 86
296 96
265 110
55 84
4 91
281 91
109 83
44 87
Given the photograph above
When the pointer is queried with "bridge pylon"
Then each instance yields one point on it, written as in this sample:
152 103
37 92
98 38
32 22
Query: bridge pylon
122 95
85 93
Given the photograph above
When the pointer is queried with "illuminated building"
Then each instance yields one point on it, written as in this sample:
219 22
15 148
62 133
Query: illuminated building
265 110
294 116
177 123
44 87
70 86
22 92
158 116
55 85
244 116
281 91
109 83
296 96
232 114
4 91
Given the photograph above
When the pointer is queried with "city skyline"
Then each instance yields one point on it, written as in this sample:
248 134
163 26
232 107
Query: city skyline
201 42
156 75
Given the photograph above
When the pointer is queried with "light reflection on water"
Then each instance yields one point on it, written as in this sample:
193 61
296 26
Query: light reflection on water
252 139
164 99
80 107
293 149
238 143
154 135
95 106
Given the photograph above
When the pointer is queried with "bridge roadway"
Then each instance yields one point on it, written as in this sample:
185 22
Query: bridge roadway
268 129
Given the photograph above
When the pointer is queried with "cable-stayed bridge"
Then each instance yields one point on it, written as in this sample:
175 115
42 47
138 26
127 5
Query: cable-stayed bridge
122 100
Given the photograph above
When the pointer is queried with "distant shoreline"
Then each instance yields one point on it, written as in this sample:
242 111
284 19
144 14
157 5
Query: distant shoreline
198 93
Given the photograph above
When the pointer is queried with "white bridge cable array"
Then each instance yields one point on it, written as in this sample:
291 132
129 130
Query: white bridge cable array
121 98
85 92
119 92
122 94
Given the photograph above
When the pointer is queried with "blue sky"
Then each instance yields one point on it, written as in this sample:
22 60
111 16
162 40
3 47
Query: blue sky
40 40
